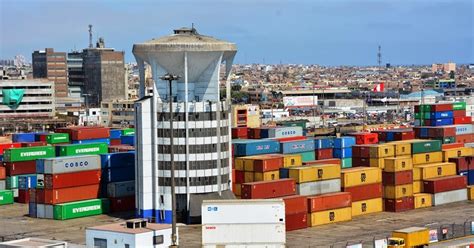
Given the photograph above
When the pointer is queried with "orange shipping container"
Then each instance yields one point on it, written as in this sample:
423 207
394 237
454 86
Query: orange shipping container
56 196
329 201
3 173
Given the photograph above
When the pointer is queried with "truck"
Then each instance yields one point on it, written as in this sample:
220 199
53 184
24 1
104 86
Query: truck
412 237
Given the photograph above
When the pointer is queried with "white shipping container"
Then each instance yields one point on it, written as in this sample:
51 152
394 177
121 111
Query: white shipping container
121 189
60 165
234 234
319 187
3 185
449 197
463 129
469 145
282 132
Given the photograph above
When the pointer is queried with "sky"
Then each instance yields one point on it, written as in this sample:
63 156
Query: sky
329 32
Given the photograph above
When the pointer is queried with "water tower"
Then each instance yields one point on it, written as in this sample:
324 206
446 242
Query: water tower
201 124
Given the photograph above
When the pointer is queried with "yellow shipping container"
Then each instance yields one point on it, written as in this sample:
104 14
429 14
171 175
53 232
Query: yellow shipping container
248 164
315 173
425 158
470 193
422 200
413 236
266 176
238 189
377 162
248 177
329 216
374 205
382 151
398 191
239 163
417 187
360 176
434 170
402 148
456 152
398 164
291 160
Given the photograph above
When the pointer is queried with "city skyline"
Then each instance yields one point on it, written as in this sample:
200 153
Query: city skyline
305 32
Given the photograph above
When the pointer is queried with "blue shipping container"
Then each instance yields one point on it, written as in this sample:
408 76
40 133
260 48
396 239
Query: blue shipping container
89 141
23 137
297 146
127 140
115 133
119 159
441 122
342 153
469 176
32 209
441 115
27 181
264 133
390 136
424 132
257 147
344 142
324 142
284 173
118 174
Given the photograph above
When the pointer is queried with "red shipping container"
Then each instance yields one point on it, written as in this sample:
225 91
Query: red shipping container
441 132
56 196
451 146
361 151
8 146
239 132
329 201
323 161
239 177
269 163
268 189
23 196
463 163
115 142
295 204
459 113
39 196
404 135
74 179
294 138
441 107
397 178
382 135
32 144
365 138
443 184
122 204
84 133
400 204
462 120
365 192
19 168
253 133
323 153
296 221
121 148
464 138
3 172
356 162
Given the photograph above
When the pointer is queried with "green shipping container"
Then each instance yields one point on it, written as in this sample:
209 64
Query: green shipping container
459 106
425 108
80 209
83 149
6 197
128 131
447 140
12 182
308 156
301 124
346 163
57 138
28 153
426 146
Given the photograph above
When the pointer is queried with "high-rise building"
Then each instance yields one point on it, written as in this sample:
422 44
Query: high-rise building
75 69
443 68
104 74
201 125
53 66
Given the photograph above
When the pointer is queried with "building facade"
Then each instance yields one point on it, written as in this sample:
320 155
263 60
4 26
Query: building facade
201 125
53 66
118 113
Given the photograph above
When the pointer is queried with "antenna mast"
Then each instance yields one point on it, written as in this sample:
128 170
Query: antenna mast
90 36
379 57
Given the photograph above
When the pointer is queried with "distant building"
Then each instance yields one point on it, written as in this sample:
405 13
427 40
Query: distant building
118 113
75 73
53 66
443 68
246 115
104 74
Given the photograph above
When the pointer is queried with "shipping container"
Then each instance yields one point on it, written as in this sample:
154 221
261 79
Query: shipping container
116 133
319 187
239 132
84 133
307 156
449 197
28 153
6 197
382 151
329 216
121 189
23 137
456 152
19 168
82 149
323 161
80 209
3 147
12 182
451 146
361 151
365 138
417 186
263 163
92 141
425 158
56 196
365 162
23 196
469 175
296 146
441 132
281 132
71 179
27 181
3 173
438 122
128 140
399 191
256 147
289 160
295 204
237 189
413 236
463 129
440 115
119 159
428 171
128 131
462 163
462 120
367 207
425 146
3 185
443 184
324 153
397 178
33 144
342 153
55 138
470 193
422 200
458 113
464 138
404 135
344 142
447 140
268 189
249 177
324 142
365 192
239 176
118 174
315 173
296 221
398 164
70 164
399 205
360 176
266 176
122 204
346 163
329 201
253 133
377 162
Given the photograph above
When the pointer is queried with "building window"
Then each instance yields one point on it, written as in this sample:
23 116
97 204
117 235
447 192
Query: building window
158 240
100 243
127 246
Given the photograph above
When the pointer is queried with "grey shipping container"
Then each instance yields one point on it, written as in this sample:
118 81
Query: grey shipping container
44 211
15 192
449 197
3 185
121 189
319 187
61 165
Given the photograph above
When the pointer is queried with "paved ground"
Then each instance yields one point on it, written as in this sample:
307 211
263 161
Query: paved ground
14 224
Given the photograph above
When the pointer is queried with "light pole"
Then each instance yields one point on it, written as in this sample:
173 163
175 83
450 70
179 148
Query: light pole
170 78
87 107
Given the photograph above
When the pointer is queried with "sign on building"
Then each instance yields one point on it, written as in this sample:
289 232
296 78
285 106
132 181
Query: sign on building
300 101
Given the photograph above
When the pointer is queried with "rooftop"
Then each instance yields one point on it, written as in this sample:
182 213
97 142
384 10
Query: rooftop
122 228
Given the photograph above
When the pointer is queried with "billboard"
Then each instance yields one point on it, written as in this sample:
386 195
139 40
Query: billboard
300 101
433 235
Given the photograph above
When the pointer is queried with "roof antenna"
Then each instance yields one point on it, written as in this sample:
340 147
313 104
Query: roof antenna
90 36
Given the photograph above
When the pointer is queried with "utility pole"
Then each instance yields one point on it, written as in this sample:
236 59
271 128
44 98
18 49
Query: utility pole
314 105
174 238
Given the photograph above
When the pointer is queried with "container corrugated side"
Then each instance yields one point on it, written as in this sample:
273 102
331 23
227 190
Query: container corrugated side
83 149
69 164
121 189
79 209
449 197
6 197
319 187
28 153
